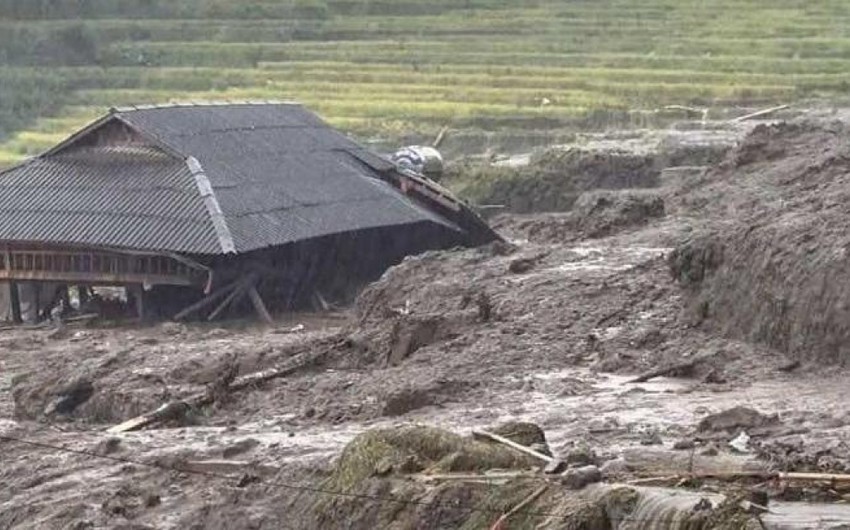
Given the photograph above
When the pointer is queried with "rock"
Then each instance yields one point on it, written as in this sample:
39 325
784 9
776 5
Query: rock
651 438
108 446
582 456
715 377
711 450
527 434
71 396
735 419
152 500
741 443
578 478
240 447
617 467
684 445
172 329
522 265
216 333
406 400
60 333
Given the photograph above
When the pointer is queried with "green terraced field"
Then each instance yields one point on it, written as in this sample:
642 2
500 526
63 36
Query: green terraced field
398 69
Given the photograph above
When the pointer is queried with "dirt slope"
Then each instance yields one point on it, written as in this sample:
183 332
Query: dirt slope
770 263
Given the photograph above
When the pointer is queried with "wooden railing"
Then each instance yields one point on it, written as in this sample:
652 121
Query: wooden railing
102 267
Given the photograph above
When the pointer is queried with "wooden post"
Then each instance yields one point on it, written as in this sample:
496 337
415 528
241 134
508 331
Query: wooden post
15 301
138 292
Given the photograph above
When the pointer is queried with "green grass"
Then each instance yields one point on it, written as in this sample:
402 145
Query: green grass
395 69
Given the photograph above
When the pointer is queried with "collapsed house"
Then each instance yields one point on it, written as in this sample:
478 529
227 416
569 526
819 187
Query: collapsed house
203 209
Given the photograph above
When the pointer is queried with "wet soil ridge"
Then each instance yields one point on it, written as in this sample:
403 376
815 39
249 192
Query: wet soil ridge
772 264
555 178
595 214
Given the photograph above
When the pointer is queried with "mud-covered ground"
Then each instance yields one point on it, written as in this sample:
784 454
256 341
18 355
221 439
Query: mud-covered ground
547 328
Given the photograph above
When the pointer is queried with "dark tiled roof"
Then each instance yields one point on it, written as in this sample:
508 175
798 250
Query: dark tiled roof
278 174
100 197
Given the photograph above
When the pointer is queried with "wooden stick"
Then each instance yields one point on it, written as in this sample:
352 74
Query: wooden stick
500 524
259 306
760 113
513 445
440 137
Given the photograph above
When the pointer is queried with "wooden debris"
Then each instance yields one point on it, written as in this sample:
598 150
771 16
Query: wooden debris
759 114
475 477
259 306
553 465
441 136
501 524
168 410
220 467
655 481
235 295
667 370
206 301
165 412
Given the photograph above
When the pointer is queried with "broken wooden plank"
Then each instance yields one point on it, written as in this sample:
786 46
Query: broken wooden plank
259 306
670 369
553 465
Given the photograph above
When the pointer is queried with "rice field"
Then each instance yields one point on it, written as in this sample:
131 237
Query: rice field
404 69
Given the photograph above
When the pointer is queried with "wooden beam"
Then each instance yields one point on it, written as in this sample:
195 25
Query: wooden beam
204 302
97 279
553 465
259 306
237 293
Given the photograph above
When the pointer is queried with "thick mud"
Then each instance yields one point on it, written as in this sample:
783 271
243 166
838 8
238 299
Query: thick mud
548 328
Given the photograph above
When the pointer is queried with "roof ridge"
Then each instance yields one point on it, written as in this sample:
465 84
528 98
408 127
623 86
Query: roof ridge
205 189
202 103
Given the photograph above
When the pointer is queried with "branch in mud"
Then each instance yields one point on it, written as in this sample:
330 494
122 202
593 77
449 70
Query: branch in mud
167 411
678 368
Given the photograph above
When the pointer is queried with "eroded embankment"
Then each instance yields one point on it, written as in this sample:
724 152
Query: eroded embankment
770 263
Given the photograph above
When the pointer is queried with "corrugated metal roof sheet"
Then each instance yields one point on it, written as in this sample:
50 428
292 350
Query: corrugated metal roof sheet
100 198
278 174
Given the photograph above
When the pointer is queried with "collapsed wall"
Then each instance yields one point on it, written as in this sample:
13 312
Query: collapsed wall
772 266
